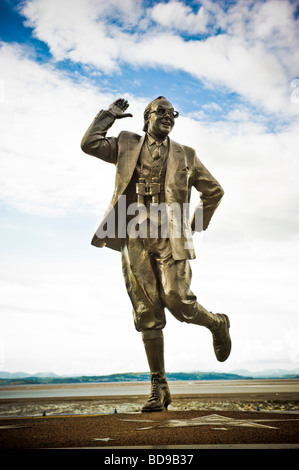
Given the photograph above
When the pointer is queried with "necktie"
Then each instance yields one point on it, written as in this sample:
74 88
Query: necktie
157 151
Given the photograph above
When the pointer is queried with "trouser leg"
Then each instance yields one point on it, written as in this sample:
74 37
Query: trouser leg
142 286
175 280
154 280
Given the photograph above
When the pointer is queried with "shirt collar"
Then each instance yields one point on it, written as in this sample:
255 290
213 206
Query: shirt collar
152 141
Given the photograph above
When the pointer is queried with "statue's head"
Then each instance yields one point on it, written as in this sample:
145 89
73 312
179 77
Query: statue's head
159 117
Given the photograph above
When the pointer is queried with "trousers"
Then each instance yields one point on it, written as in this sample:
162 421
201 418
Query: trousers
155 281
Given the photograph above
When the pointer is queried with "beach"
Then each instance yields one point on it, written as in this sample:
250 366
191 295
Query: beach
128 397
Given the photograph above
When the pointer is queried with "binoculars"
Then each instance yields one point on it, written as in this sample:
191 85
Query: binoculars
144 188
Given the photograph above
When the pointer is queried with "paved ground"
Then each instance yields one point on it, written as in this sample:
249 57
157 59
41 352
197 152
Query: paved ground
167 430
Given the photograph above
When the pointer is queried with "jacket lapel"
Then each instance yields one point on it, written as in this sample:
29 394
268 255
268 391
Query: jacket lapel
176 169
129 152
133 152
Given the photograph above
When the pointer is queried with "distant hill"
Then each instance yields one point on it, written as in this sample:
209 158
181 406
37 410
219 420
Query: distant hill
7 378
22 375
269 374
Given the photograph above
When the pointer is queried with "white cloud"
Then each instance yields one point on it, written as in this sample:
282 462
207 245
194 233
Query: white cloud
270 24
178 16
45 172
44 116
243 58
72 31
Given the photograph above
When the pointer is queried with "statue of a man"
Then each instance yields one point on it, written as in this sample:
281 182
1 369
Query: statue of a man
154 171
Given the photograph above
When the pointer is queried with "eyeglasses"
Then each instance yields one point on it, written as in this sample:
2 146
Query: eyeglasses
161 111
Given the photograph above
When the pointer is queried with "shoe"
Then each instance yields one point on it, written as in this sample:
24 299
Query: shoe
159 398
221 338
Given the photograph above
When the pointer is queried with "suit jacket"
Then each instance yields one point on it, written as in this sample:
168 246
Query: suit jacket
184 171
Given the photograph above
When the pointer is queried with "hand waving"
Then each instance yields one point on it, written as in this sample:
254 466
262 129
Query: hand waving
118 108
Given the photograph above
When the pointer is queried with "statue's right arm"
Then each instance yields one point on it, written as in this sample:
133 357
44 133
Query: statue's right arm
95 142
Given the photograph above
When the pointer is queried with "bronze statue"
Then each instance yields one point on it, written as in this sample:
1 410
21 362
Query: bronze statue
154 177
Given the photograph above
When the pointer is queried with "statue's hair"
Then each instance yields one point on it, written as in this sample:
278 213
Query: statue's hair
147 111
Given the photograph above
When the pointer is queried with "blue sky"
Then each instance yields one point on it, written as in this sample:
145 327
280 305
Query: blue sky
231 70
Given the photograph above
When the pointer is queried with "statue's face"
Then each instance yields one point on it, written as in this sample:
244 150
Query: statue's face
161 119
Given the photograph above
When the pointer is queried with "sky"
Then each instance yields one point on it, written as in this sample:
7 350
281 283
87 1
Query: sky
231 69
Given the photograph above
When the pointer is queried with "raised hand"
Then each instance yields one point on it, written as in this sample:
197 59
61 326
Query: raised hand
118 108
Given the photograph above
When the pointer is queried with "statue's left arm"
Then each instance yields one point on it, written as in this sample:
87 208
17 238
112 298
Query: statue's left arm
211 194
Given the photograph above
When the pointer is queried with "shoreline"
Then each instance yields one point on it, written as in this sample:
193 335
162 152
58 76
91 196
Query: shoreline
243 383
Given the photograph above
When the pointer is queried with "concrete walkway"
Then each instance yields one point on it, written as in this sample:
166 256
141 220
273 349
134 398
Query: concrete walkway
167 430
